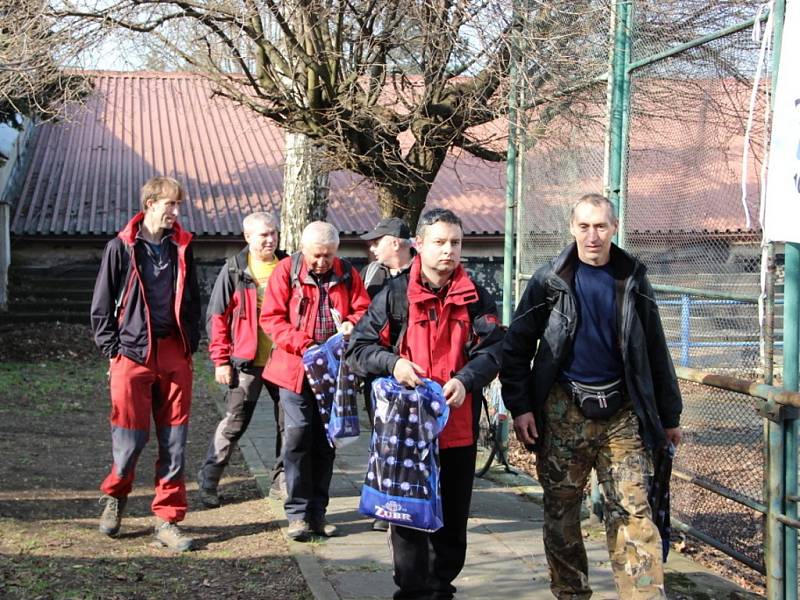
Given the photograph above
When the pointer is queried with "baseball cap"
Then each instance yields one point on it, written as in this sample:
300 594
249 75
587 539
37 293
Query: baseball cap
394 226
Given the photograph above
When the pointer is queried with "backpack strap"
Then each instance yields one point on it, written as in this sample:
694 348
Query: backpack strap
294 273
120 299
297 264
234 272
347 273
398 310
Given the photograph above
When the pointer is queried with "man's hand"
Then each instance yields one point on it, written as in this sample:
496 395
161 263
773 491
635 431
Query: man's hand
525 428
674 436
223 374
346 328
407 373
454 392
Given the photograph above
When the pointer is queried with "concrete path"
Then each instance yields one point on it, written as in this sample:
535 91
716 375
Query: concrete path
505 557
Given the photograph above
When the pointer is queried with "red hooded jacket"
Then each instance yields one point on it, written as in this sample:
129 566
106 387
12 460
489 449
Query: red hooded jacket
441 336
120 315
231 317
289 312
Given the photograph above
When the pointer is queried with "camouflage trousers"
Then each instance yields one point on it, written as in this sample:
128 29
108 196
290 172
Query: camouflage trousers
571 446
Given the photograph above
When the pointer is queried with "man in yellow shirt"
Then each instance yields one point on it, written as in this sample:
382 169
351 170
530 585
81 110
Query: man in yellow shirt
238 347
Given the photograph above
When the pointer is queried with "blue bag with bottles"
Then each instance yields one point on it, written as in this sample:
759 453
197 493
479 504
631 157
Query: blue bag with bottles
335 389
402 481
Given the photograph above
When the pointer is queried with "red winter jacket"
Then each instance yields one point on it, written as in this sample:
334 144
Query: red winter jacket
124 328
232 314
441 336
288 315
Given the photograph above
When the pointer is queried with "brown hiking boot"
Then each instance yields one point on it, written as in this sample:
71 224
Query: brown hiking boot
111 518
170 536
298 531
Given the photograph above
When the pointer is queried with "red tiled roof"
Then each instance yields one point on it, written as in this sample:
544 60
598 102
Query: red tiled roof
85 172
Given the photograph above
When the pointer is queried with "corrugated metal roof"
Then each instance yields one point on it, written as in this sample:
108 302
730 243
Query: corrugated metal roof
85 172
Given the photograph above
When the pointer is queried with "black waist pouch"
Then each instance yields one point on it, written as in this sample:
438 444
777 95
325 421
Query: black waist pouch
596 401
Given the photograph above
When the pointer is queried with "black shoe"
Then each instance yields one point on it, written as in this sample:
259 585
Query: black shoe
209 496
322 528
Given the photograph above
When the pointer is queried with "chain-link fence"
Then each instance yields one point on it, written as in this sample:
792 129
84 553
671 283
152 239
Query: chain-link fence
682 214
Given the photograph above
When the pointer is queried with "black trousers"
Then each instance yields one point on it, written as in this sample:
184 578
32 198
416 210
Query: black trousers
425 564
307 456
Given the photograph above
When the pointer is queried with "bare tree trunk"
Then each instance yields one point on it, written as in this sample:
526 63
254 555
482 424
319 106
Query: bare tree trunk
406 203
305 189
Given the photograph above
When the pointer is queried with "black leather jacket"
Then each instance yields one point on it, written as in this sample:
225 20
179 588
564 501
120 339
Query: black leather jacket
543 330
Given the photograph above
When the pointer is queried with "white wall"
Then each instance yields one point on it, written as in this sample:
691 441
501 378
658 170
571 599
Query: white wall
12 145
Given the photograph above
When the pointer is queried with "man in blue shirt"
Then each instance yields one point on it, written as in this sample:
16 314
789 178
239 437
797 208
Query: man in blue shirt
600 392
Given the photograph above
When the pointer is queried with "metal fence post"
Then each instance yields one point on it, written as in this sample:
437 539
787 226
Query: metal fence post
618 110
791 354
686 328
511 191
791 363
512 184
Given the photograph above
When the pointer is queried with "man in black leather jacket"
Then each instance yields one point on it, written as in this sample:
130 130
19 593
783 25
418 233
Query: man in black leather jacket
600 393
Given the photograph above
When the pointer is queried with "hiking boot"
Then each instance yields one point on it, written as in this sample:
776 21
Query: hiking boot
111 518
322 528
209 496
298 531
378 525
170 536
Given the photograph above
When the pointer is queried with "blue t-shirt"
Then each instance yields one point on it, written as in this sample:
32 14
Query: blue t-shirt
596 356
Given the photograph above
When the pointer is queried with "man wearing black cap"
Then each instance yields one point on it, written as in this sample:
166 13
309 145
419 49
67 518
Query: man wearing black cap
391 246
390 243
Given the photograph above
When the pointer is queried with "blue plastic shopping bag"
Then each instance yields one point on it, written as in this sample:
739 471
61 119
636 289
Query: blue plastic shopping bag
335 389
402 481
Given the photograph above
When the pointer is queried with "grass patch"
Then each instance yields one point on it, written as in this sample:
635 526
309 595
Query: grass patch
49 387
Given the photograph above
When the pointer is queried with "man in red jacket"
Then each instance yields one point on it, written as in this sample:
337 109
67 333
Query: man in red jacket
238 346
449 333
146 320
307 295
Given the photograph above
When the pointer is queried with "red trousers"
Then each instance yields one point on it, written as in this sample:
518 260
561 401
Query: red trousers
161 388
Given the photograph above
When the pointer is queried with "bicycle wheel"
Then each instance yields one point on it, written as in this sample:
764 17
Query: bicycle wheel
501 432
487 446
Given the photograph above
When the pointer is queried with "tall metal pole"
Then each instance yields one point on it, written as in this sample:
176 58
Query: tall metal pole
511 199
781 550
617 127
791 354
791 358
619 102
511 178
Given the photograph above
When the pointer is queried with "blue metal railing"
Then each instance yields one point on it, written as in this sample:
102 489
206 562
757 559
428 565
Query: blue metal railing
685 341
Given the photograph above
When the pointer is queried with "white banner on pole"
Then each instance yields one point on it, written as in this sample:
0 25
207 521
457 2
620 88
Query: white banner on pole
782 205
